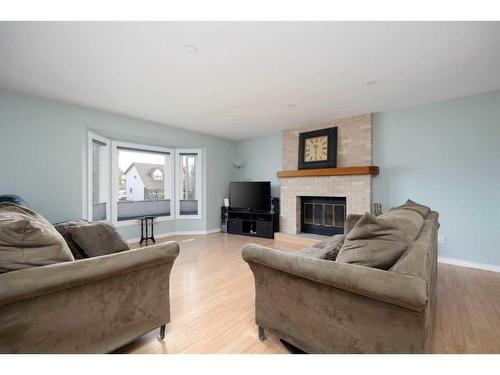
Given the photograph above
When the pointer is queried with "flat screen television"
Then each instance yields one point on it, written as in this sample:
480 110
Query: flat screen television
250 195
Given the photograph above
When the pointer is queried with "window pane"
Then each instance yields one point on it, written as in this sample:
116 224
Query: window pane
99 211
96 172
98 201
143 179
188 204
188 191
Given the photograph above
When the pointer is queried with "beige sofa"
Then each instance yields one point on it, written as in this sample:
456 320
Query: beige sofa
94 305
323 306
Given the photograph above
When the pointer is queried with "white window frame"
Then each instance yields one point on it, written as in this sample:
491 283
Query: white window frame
104 187
109 179
114 179
200 184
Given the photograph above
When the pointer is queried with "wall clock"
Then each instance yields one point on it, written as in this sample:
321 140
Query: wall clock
318 149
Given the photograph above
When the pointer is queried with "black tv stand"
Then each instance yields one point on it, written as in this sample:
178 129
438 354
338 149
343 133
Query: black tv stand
252 223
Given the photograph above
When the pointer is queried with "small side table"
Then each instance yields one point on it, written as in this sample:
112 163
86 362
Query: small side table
144 225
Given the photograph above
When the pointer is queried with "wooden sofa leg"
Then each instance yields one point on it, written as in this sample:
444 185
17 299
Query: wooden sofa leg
162 332
262 334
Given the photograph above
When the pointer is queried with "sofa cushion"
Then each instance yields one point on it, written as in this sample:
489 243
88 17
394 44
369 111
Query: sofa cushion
27 240
411 205
320 244
416 261
333 246
62 228
380 241
96 239
328 250
329 240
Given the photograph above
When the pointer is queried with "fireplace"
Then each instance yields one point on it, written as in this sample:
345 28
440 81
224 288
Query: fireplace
322 215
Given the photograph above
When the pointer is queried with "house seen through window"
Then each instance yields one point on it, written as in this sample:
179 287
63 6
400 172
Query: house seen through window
142 189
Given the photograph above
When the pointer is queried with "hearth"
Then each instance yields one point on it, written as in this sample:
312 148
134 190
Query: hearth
322 215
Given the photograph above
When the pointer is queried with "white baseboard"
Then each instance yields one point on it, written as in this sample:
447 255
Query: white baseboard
216 230
468 264
179 233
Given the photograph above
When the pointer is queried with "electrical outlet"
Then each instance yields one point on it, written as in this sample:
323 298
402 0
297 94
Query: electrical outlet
441 240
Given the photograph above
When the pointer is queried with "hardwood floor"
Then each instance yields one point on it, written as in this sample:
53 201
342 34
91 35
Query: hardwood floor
467 311
212 303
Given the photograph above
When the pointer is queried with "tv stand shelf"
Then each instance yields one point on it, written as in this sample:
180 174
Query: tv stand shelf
252 223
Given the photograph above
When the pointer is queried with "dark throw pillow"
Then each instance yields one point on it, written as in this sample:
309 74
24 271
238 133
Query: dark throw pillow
62 228
379 241
96 239
13 198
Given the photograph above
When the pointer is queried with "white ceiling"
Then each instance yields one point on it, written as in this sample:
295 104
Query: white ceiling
249 78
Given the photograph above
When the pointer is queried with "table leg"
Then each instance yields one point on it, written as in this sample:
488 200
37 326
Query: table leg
142 232
152 231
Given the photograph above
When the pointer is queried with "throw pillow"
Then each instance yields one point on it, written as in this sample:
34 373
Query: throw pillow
410 205
332 247
320 245
62 228
13 198
27 240
96 239
379 241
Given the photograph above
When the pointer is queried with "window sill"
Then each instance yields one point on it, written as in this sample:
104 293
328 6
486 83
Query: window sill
188 217
126 223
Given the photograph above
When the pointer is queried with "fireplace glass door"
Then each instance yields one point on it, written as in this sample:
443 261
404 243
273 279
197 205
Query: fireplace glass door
323 215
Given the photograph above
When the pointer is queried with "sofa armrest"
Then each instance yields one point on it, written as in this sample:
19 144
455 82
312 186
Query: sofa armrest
351 221
398 289
37 281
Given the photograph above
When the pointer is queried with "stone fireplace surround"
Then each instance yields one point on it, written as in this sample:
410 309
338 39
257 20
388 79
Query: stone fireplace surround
354 148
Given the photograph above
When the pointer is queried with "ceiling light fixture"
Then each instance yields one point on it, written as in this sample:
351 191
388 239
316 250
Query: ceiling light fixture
371 83
190 48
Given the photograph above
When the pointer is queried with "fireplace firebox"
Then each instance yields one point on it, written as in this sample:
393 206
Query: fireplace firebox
322 215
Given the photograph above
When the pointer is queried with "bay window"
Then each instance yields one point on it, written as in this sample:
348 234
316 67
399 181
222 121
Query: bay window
127 181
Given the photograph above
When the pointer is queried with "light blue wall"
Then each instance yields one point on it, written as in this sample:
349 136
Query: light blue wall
263 158
43 153
447 156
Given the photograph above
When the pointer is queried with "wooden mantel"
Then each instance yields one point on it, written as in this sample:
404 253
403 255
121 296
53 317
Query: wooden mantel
343 171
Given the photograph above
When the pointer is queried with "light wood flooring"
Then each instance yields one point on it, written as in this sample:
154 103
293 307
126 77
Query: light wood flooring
212 303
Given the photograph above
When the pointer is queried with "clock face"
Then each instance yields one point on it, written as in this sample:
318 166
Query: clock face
316 149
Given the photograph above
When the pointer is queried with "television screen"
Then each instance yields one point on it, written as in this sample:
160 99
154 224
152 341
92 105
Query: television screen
250 195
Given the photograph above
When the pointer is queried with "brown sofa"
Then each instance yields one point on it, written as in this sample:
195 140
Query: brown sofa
323 306
87 306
